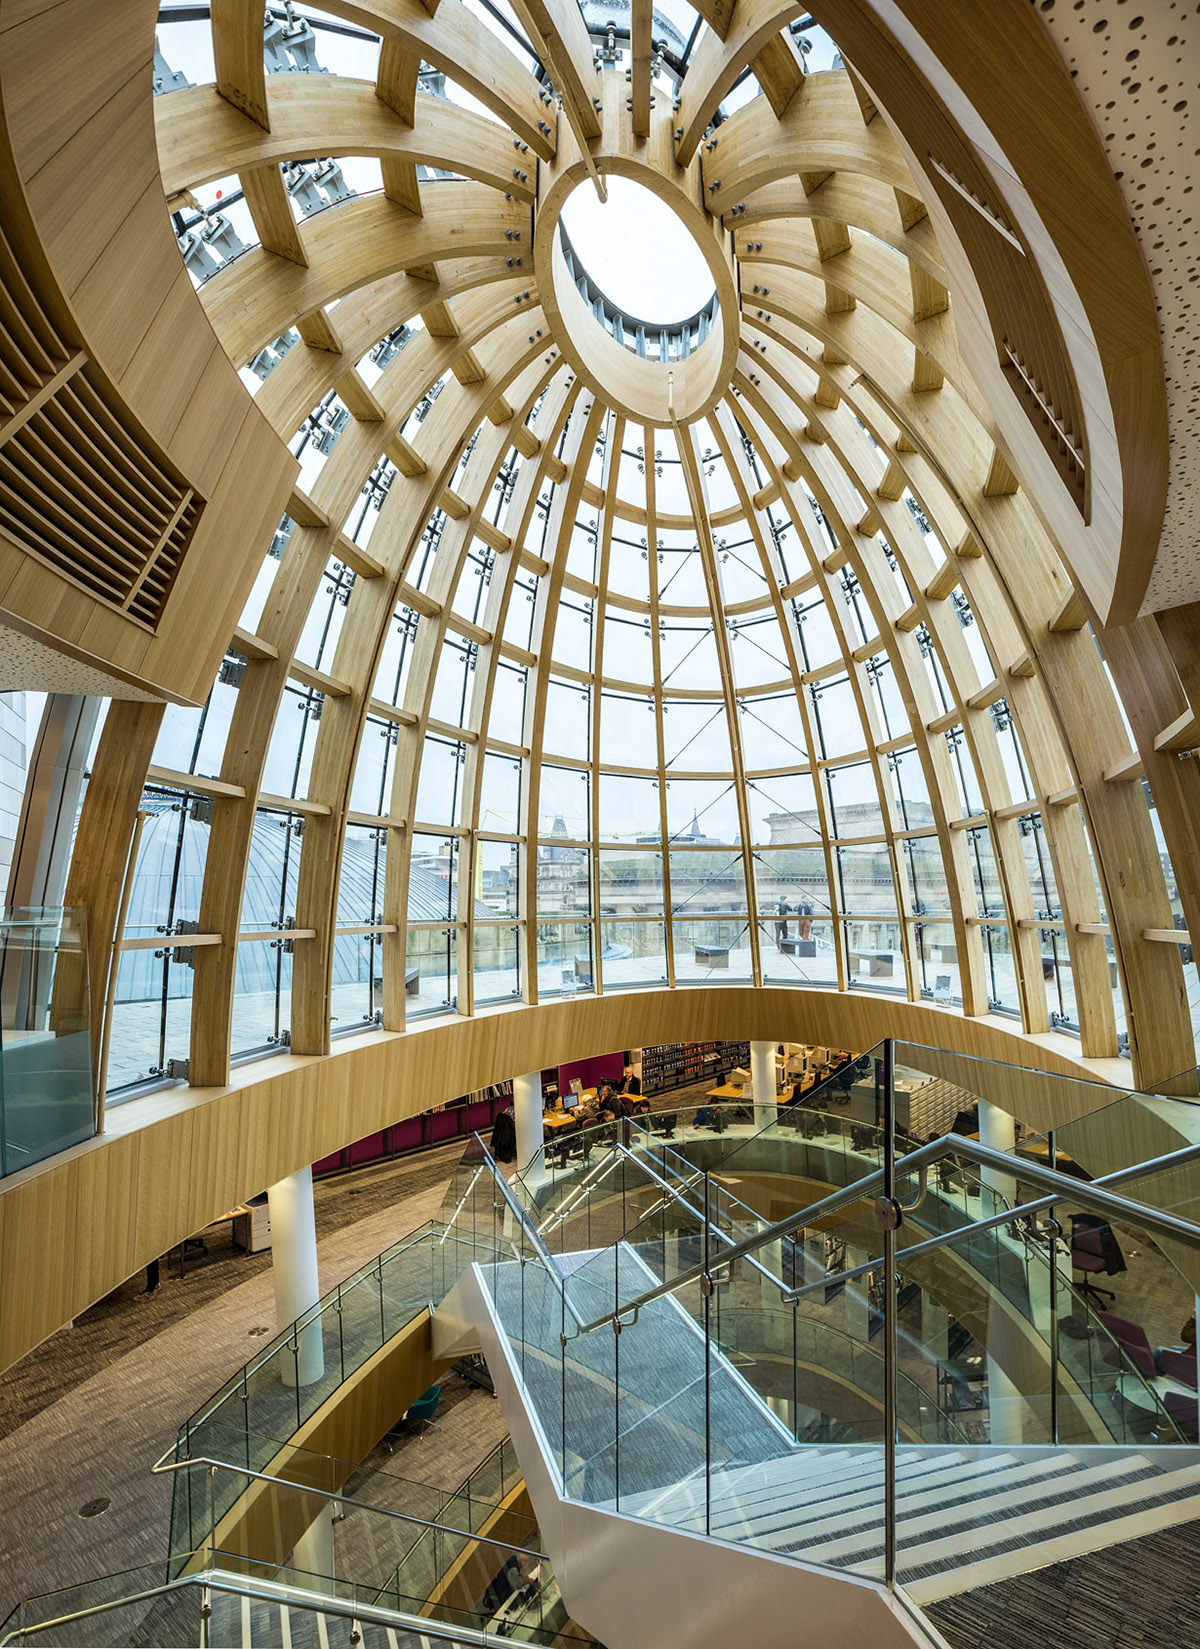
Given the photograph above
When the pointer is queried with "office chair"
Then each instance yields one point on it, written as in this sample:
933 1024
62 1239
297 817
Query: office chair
1089 1254
1177 1365
422 1411
1131 1338
1185 1411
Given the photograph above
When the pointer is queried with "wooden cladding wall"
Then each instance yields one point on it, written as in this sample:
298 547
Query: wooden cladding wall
139 483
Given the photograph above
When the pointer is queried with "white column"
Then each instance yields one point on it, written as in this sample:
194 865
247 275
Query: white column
313 1552
762 1083
1005 1403
294 1263
997 1129
527 1113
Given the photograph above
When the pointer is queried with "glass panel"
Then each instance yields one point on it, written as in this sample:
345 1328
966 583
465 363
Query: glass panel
853 801
500 798
564 881
790 959
496 958
633 953
701 811
431 976
628 808
712 951
631 882
497 877
564 953
704 883
46 1086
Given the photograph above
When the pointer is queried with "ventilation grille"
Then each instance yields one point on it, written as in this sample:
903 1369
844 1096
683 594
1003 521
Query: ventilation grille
82 486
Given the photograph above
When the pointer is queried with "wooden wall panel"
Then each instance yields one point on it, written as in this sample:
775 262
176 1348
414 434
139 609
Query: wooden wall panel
75 1228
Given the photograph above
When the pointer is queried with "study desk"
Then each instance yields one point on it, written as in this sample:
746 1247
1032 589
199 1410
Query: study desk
222 1219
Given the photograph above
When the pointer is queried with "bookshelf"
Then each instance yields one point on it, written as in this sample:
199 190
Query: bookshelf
677 1064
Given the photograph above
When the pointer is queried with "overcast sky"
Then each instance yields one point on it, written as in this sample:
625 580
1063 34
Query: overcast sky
638 252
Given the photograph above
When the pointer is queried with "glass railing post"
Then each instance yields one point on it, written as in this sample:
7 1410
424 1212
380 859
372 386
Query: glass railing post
1054 1231
212 1515
795 1372
616 1328
890 1218
341 1337
706 1292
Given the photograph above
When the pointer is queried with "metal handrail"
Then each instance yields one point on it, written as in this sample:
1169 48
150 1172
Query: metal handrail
530 1230
268 1591
162 1464
675 1192
1091 1193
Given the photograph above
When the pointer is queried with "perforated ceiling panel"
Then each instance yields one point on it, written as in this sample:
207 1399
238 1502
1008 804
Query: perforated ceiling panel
29 666
1134 62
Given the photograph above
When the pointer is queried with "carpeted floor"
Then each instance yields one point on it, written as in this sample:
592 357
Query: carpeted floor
87 1413
1139 1595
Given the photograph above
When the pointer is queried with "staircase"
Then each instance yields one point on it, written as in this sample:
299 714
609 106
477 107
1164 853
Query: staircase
965 1517
653 1428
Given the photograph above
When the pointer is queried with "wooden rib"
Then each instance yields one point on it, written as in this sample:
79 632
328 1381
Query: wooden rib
271 210
405 456
1070 614
318 332
927 375
237 36
358 399
929 296
641 51
357 559
1001 481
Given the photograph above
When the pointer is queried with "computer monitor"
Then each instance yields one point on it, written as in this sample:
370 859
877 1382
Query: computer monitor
571 1098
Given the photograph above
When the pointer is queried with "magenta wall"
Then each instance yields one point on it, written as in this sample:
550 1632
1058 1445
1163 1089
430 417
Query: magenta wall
591 1072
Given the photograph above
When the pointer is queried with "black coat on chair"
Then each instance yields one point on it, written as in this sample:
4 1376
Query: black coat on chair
504 1136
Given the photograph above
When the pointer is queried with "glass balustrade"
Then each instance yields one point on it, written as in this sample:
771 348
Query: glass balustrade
816 1337
699 1312
47 1092
221 1606
457 1557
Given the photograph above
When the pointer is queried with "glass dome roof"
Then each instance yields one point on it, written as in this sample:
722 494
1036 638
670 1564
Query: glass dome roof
590 704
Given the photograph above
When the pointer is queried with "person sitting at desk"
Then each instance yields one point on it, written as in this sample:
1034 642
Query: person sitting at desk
631 1083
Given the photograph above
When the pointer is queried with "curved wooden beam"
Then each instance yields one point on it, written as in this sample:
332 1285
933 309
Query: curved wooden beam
1035 230
717 62
853 198
254 300
366 315
202 137
822 131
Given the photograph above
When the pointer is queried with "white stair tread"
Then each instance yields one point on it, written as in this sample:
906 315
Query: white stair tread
1097 1507
1040 1554
1004 1482
977 1520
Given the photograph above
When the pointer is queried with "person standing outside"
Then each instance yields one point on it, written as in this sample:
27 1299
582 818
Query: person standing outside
783 911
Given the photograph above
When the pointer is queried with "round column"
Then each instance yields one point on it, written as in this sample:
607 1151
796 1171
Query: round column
527 1114
762 1083
294 1264
1005 1402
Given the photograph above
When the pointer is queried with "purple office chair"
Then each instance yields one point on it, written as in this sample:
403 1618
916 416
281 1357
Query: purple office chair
1177 1365
1132 1340
1088 1256
1185 1413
